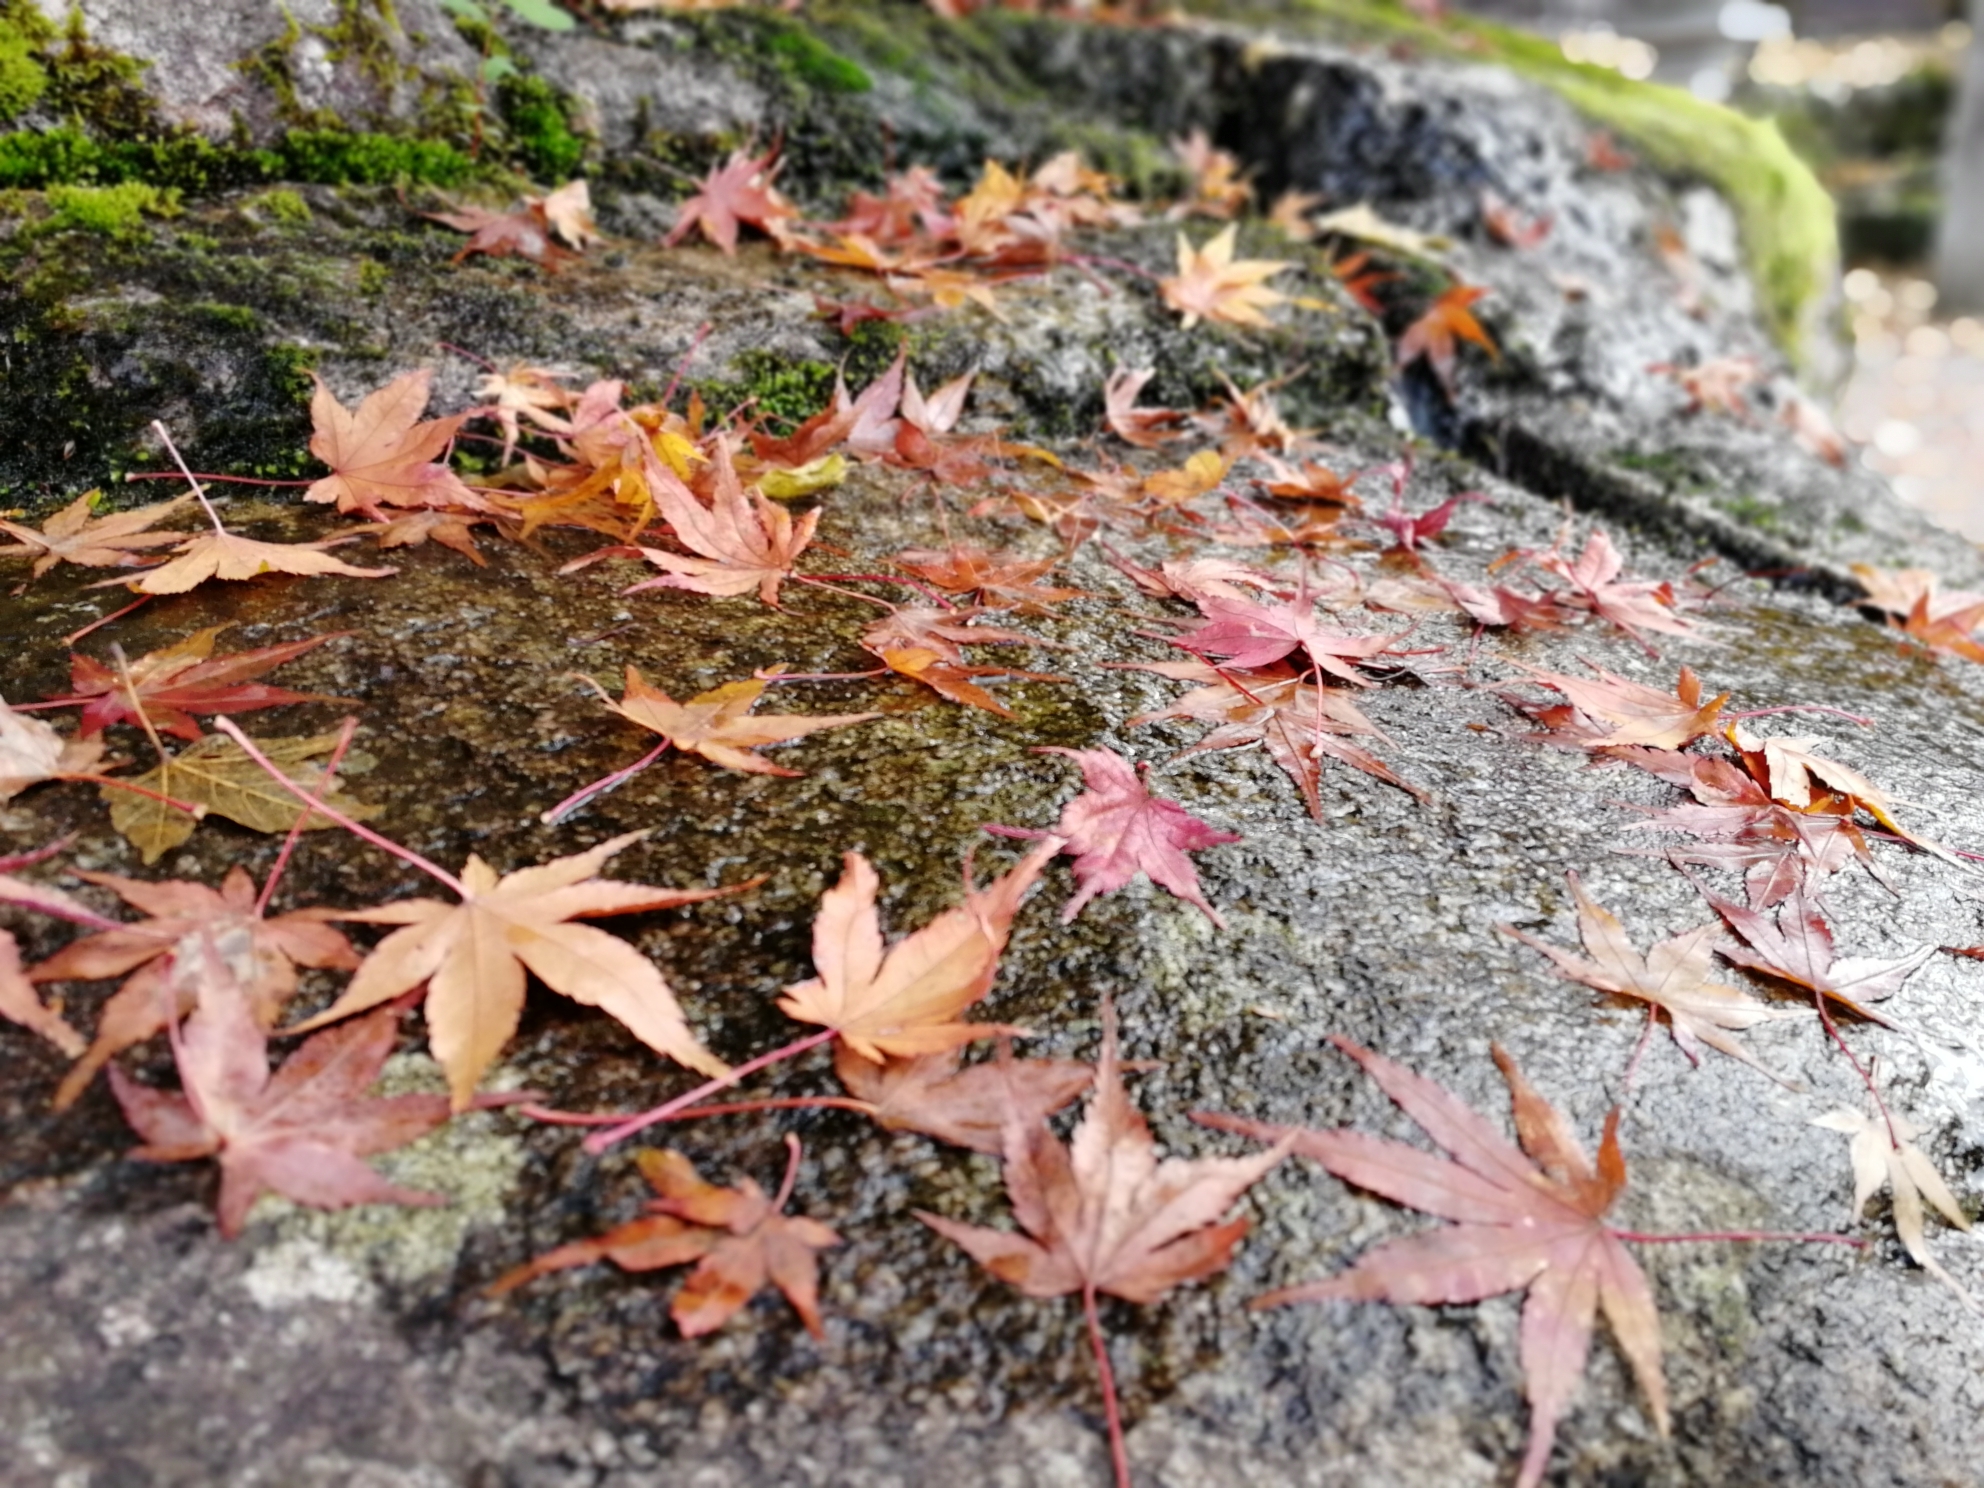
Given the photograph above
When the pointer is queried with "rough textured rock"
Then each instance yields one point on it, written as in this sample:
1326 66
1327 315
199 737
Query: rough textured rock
356 1348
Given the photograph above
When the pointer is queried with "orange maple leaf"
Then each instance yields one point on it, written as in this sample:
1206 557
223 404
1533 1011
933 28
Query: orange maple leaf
381 453
908 999
738 1238
73 536
1433 335
1213 285
718 724
742 541
474 955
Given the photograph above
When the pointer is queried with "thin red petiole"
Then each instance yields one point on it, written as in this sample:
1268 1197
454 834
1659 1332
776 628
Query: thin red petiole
598 1142
296 828
1639 1047
791 1172
365 834
1118 1455
1801 1237
1804 708
599 787
76 635
682 363
232 480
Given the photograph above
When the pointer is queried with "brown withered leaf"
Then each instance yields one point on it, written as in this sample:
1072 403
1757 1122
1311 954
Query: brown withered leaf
1633 605
966 1107
1146 428
304 1131
926 644
908 999
72 535
175 910
1524 1218
1000 580
738 1238
216 773
719 724
1672 978
474 956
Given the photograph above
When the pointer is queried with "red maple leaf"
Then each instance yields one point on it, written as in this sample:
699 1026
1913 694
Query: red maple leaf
1534 1221
1104 1215
1796 947
1001 581
1251 633
1742 828
967 1107
1116 829
304 1131
1595 586
1297 722
738 192
1608 710
169 684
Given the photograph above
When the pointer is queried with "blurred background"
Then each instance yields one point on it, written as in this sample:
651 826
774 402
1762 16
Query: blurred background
1873 94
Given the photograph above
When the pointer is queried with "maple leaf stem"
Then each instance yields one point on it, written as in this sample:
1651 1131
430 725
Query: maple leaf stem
1639 1048
1118 1456
1975 857
1804 708
76 635
137 703
762 676
821 583
365 834
599 787
1802 1237
1866 1075
792 1151
553 1117
232 480
682 362
598 1142
1121 265
173 449
191 808
296 829
926 590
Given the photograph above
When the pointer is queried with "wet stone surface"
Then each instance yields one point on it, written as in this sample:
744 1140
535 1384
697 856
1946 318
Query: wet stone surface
357 1348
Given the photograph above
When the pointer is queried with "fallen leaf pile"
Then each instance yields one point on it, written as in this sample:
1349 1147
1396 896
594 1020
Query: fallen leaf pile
1301 598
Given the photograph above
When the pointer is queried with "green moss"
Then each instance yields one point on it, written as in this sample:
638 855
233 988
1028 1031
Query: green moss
1789 235
373 277
22 80
807 59
335 157
539 129
775 386
282 206
114 211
